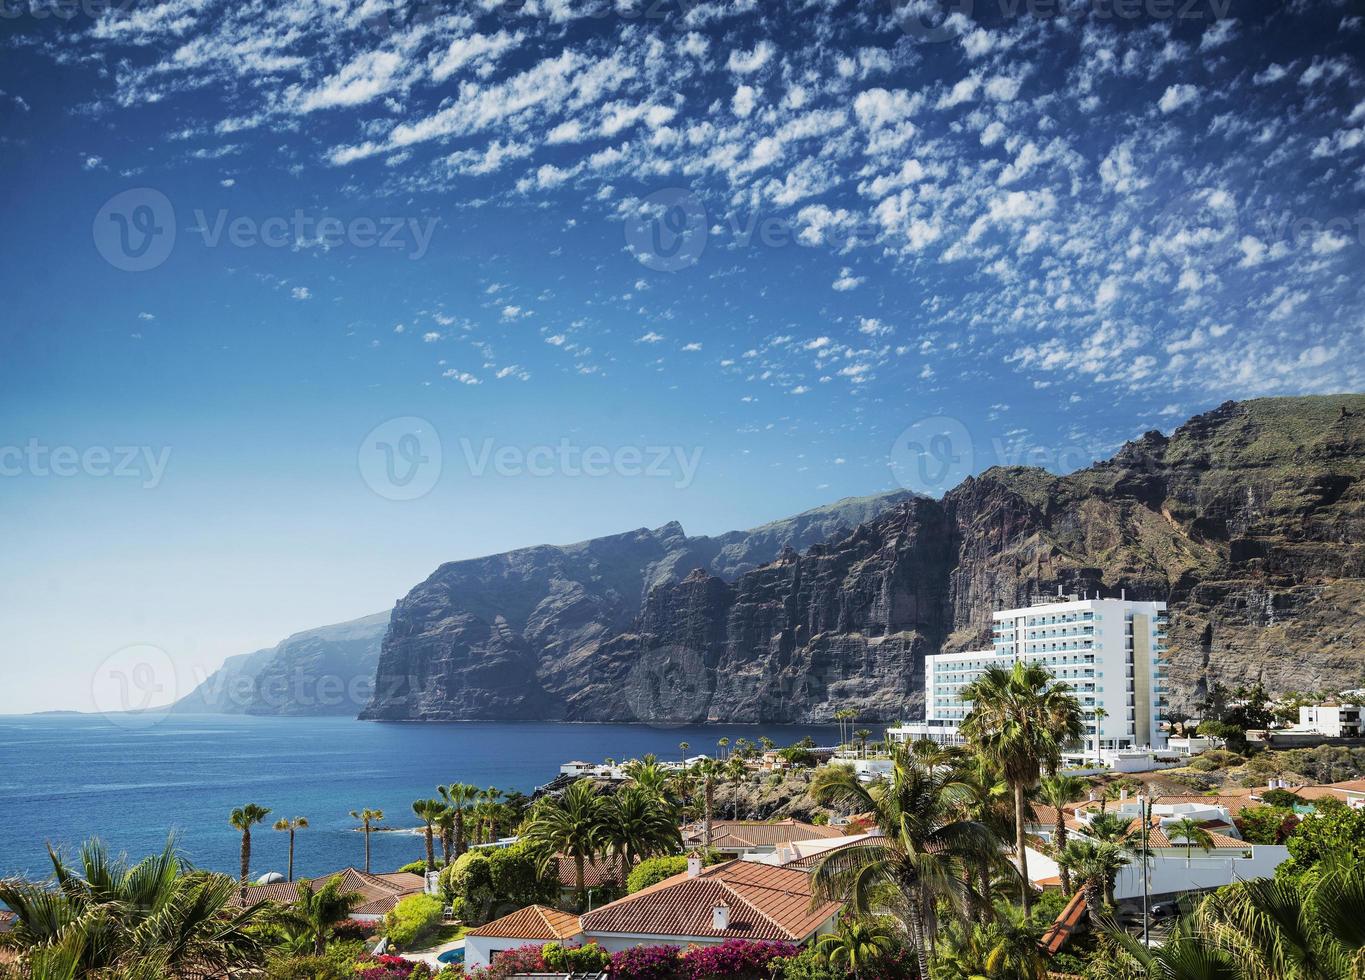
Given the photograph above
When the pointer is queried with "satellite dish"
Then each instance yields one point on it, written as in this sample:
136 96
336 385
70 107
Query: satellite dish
270 878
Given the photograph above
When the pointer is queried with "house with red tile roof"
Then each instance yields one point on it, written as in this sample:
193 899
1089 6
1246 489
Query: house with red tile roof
379 893
701 906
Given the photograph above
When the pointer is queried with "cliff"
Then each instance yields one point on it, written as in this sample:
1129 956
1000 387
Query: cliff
1249 520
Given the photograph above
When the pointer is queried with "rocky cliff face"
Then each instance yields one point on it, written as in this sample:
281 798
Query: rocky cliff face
324 671
1249 520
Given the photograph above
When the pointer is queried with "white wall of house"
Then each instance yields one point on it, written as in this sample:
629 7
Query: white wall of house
1171 872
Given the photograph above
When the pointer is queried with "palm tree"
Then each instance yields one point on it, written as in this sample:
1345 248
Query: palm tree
110 918
1058 792
1184 955
844 716
244 818
459 796
445 823
1095 865
429 811
1108 827
921 855
366 818
316 913
708 770
981 794
1004 948
1099 714
1020 720
649 775
682 752
636 827
722 744
488 815
766 742
1191 833
298 823
570 824
857 945
736 772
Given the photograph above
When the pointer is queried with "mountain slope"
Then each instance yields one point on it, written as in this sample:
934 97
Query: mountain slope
1249 520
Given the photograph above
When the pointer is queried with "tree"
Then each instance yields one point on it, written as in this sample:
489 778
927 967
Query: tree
635 827
1266 824
1100 714
921 856
722 744
863 735
571 824
1003 948
316 913
1335 832
144 921
458 796
736 772
682 752
1191 833
1095 865
1108 827
298 823
366 818
649 775
243 819
708 771
856 946
1020 720
445 826
766 742
1058 792
429 811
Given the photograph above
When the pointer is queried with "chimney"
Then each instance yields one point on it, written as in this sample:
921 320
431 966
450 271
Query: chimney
784 854
1123 796
1123 594
720 918
693 865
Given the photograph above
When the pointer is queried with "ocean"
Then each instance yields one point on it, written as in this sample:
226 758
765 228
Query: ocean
66 778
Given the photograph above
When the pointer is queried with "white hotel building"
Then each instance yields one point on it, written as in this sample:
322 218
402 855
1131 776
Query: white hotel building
1110 651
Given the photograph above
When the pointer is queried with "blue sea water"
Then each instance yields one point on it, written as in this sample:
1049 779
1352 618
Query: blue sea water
65 778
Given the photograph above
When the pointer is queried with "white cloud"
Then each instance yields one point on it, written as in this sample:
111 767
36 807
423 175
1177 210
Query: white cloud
847 280
1177 96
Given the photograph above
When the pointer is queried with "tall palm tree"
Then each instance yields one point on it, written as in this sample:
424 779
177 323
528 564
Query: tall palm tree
445 825
649 775
1108 827
488 818
862 735
722 744
981 794
367 818
1004 948
736 772
856 946
1094 865
111 918
924 848
708 771
1191 833
1021 719
315 914
682 752
244 818
636 827
1059 792
429 811
570 824
767 743
460 796
297 824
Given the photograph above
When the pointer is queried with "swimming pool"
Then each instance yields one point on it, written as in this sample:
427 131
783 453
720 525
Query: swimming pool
452 957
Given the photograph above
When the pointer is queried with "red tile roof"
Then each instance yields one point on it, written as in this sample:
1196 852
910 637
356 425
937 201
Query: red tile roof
379 893
532 922
745 834
765 901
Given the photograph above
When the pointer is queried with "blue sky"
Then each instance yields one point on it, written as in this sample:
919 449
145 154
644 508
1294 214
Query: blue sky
272 259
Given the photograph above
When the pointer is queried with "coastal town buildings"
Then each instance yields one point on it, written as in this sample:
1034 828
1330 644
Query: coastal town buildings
746 837
1109 651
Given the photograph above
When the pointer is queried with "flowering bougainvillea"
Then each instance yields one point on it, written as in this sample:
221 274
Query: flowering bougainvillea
647 963
745 959
523 959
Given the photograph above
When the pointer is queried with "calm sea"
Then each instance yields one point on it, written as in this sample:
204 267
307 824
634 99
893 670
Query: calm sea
64 778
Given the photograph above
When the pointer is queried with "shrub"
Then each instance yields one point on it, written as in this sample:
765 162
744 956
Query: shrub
805 965
591 958
654 870
523 959
414 867
747 959
307 968
412 919
1266 824
384 968
647 963
1281 798
480 883
1335 831
353 929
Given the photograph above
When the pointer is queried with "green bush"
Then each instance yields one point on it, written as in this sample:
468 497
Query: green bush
1281 798
653 870
414 868
307 968
481 883
412 920
806 965
575 959
1266 824
1335 831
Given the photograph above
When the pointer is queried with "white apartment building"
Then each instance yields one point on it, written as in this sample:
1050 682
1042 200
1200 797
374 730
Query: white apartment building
1108 650
1330 718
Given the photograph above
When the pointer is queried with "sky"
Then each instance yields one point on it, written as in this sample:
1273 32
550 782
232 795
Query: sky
304 297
